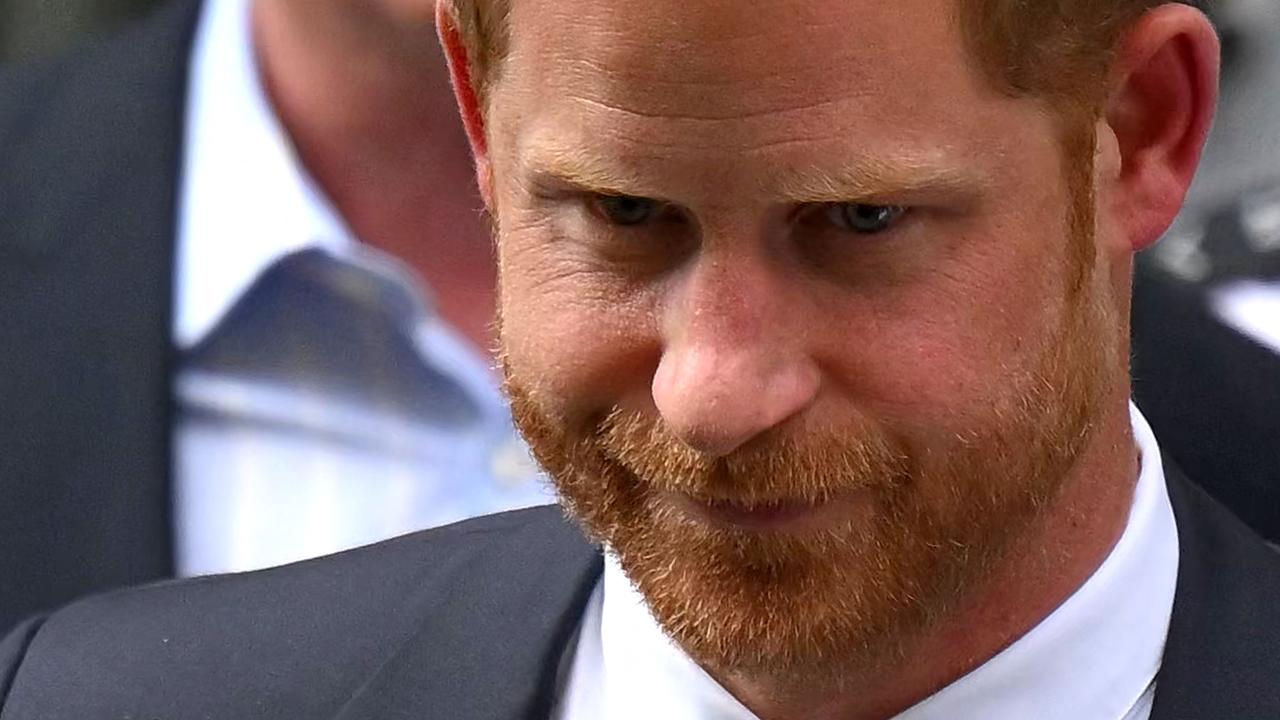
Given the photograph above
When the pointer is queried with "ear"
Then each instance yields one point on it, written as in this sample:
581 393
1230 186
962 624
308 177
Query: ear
1164 94
464 90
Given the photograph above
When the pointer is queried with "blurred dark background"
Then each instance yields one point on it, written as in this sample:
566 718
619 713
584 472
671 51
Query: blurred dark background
39 27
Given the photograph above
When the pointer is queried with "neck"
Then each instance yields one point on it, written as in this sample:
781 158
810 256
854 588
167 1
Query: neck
1042 569
364 95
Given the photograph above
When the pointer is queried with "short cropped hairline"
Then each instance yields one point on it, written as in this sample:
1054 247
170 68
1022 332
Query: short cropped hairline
1060 50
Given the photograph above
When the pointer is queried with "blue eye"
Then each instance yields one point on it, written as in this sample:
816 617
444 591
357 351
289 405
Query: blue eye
626 209
864 219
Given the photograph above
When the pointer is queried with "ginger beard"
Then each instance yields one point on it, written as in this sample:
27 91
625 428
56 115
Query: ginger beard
804 607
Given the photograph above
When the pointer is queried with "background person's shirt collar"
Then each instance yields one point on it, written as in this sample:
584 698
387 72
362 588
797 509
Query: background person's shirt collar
320 402
1094 658
245 199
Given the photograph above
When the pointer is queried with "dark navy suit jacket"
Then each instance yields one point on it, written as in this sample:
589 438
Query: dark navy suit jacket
90 152
472 621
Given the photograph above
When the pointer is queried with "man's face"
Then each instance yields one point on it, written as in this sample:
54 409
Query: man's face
788 310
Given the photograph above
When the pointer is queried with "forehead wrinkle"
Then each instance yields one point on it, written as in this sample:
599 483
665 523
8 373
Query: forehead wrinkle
649 70
739 134
780 48
668 111
752 92
743 68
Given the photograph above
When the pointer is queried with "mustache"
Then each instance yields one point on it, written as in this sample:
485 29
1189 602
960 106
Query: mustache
771 469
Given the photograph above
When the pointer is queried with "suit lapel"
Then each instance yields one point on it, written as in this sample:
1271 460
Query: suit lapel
492 644
91 147
1221 658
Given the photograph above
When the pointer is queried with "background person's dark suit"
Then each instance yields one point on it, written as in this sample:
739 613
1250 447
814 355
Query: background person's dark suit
471 622
90 148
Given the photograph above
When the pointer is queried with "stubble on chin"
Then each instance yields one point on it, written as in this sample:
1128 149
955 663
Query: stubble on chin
824 604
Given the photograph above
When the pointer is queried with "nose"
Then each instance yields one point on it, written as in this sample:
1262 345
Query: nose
734 362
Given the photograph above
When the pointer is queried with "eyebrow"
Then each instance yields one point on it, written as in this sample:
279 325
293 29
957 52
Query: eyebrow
574 168
867 179
875 179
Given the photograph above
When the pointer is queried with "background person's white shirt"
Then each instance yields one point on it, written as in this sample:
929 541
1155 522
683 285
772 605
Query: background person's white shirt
1094 658
320 403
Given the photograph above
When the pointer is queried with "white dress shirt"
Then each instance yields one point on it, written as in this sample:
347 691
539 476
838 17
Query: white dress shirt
359 416
1094 658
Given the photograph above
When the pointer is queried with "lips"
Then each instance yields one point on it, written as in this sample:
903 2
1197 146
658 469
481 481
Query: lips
766 516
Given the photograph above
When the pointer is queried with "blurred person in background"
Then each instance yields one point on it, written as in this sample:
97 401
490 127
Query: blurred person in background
246 293
1206 313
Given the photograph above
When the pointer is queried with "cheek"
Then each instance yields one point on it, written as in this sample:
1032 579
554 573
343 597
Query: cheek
579 338
950 350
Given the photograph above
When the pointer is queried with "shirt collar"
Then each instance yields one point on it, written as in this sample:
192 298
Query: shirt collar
1096 656
246 200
